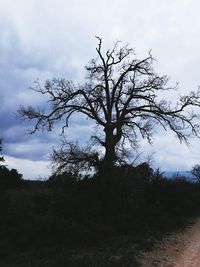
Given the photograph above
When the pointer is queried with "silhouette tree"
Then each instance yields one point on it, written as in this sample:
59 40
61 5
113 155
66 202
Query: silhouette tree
1 158
9 178
121 96
196 172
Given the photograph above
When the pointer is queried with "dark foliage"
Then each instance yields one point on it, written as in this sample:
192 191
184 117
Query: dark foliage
9 178
64 179
1 158
70 222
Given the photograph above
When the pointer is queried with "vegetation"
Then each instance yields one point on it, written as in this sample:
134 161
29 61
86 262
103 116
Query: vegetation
1 158
8 178
121 97
93 221
107 218
196 172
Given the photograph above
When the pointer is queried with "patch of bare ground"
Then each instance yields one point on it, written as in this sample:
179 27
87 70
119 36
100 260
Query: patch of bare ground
178 250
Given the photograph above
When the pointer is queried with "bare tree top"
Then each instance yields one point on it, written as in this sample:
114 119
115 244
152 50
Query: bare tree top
121 96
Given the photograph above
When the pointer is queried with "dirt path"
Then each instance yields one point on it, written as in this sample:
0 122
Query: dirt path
179 250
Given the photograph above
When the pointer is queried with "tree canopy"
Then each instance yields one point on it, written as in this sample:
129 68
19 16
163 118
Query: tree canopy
120 95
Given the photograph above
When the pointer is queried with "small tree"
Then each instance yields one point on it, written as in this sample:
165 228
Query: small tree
1 158
196 172
120 95
9 178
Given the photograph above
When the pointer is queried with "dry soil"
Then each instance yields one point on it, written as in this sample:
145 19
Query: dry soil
178 250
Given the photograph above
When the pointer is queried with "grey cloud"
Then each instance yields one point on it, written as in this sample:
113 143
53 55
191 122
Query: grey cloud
34 150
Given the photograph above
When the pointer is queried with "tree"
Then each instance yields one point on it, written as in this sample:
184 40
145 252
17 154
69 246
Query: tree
196 172
120 95
9 178
1 158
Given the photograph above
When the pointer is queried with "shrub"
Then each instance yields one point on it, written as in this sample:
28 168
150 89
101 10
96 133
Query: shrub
9 178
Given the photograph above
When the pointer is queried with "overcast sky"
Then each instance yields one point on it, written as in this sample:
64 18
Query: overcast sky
41 39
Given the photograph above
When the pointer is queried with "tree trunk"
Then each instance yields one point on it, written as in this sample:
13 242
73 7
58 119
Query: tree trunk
110 155
106 167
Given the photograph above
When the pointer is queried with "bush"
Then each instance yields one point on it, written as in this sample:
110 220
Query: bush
61 179
9 178
134 205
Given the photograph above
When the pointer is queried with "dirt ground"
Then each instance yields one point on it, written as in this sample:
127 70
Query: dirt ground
178 250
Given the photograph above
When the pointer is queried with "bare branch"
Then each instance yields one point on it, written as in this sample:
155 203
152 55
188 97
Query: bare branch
121 96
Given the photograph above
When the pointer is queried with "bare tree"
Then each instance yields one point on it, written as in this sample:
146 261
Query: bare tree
74 159
196 172
121 96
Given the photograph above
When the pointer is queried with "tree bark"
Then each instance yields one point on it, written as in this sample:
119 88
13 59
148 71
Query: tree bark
110 154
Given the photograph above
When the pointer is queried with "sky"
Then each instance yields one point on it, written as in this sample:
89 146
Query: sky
42 39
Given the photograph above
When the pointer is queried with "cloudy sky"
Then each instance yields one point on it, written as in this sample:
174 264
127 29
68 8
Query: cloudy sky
41 39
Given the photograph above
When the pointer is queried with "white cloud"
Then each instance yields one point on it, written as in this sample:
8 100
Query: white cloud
169 154
30 169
